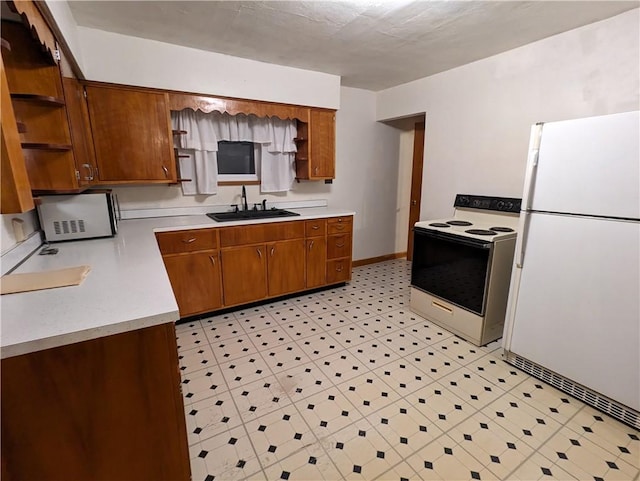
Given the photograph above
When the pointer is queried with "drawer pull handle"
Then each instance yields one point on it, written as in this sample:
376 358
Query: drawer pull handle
315 227
442 307
166 171
339 269
189 241
213 260
310 245
259 253
273 249
339 227
340 245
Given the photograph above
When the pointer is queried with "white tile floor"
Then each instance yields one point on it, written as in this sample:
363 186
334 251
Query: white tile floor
349 384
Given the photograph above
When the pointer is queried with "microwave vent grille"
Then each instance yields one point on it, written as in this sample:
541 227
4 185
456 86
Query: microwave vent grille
68 226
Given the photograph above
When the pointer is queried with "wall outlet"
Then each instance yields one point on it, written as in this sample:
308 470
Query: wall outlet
18 229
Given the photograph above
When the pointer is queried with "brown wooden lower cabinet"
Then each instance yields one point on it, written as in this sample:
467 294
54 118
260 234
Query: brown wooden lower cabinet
223 267
244 274
338 270
316 262
285 267
195 279
104 409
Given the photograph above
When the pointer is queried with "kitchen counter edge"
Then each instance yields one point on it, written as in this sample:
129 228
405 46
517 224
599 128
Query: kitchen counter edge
127 288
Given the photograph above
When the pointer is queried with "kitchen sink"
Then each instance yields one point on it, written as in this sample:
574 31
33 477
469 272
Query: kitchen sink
250 214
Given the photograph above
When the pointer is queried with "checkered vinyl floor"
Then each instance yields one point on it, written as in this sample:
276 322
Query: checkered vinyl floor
348 383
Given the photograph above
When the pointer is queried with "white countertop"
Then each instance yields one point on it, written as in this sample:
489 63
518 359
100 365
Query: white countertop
127 288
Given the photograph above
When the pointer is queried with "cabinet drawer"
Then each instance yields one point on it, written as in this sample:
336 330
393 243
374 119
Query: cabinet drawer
338 270
257 234
315 228
339 245
187 240
338 225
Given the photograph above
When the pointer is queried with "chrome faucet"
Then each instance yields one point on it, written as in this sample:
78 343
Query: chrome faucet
245 206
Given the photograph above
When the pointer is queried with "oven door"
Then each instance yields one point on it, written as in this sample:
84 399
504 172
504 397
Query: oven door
453 268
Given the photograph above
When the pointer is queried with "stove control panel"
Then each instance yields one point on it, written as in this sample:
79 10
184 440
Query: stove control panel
482 202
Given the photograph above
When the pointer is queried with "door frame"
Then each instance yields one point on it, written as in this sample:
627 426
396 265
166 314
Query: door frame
416 182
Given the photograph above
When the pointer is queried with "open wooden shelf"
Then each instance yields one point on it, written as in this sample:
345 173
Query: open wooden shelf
42 99
46 146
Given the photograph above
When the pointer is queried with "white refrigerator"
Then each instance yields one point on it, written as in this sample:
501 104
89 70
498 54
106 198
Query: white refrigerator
574 301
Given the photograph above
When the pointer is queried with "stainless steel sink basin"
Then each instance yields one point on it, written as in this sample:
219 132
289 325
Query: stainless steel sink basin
250 214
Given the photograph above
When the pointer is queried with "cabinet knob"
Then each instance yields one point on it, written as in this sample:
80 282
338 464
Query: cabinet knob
273 249
166 171
310 245
259 253
213 260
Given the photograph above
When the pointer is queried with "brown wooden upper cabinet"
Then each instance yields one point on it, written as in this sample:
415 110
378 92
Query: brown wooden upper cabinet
41 111
316 142
131 135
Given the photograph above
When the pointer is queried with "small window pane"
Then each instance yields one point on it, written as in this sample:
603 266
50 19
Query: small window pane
236 158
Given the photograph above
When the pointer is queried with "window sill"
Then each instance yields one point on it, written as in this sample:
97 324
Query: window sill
240 182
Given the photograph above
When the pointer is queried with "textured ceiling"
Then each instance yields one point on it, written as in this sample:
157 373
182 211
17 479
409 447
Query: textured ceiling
371 45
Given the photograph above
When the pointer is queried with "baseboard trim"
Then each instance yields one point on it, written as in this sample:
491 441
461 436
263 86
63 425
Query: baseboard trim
375 260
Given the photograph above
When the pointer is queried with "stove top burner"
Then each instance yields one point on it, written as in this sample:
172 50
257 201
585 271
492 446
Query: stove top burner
439 224
502 229
481 232
459 222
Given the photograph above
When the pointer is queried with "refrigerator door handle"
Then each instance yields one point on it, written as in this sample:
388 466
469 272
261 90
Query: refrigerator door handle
532 166
527 198
521 241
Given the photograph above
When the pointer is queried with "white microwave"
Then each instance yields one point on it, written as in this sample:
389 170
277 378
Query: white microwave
88 215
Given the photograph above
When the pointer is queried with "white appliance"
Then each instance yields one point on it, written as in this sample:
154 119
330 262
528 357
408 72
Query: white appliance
462 266
574 310
82 216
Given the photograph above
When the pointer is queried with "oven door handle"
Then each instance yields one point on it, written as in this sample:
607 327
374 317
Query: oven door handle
480 244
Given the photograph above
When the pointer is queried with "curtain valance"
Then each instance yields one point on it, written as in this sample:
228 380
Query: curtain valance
199 146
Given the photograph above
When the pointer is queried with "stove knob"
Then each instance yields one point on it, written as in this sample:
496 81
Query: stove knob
500 205
509 205
476 203
463 200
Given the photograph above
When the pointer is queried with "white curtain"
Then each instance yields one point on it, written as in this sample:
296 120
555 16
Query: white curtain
199 146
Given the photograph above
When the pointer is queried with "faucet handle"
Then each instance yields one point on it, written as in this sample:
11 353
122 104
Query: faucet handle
264 204
235 207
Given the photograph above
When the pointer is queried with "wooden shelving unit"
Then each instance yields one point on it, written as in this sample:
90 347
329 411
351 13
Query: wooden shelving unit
41 99
46 146
180 156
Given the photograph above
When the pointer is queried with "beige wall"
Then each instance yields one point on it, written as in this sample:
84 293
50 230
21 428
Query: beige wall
478 116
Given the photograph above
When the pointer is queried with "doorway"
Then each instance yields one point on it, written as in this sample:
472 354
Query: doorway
416 183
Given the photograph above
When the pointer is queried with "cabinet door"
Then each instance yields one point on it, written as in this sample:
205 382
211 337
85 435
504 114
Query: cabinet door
16 190
322 137
286 266
244 274
131 135
316 262
195 279
81 138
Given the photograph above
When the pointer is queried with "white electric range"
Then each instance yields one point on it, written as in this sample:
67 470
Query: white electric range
461 266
